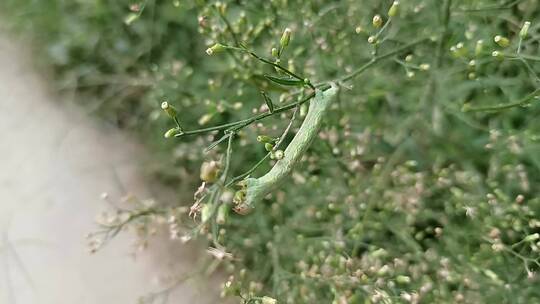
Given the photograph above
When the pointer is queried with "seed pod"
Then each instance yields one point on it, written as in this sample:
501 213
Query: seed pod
222 214
402 279
393 9
479 47
131 18
274 52
279 154
206 212
497 55
532 237
459 50
216 48
285 38
501 41
221 7
524 30
204 119
372 39
209 171
424 66
172 132
169 109
265 139
303 110
268 300
377 21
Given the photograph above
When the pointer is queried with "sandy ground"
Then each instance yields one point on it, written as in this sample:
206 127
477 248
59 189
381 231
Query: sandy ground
54 164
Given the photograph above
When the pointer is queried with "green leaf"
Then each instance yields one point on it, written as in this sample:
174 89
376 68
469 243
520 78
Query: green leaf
285 81
268 101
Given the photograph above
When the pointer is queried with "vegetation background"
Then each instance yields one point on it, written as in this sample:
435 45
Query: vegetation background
421 186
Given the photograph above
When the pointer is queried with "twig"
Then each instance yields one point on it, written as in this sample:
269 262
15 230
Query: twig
234 126
373 61
520 103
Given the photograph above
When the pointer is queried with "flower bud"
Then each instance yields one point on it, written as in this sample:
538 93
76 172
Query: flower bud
265 139
377 21
532 237
524 30
501 41
268 300
402 279
172 132
497 55
216 48
279 154
285 38
204 119
169 109
221 7
303 110
268 147
424 66
209 171
131 18
393 9
458 50
274 52
479 47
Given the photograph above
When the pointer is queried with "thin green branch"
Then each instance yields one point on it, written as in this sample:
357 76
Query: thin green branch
278 66
525 101
491 8
234 126
228 155
375 60
247 173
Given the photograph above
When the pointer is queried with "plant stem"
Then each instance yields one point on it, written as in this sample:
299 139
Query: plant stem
242 123
375 60
520 103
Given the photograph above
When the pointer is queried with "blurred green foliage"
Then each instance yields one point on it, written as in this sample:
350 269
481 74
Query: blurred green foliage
404 198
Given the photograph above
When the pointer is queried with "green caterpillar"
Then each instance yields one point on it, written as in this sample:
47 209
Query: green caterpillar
257 188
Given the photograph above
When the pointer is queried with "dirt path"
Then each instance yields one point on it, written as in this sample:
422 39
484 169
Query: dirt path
54 163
